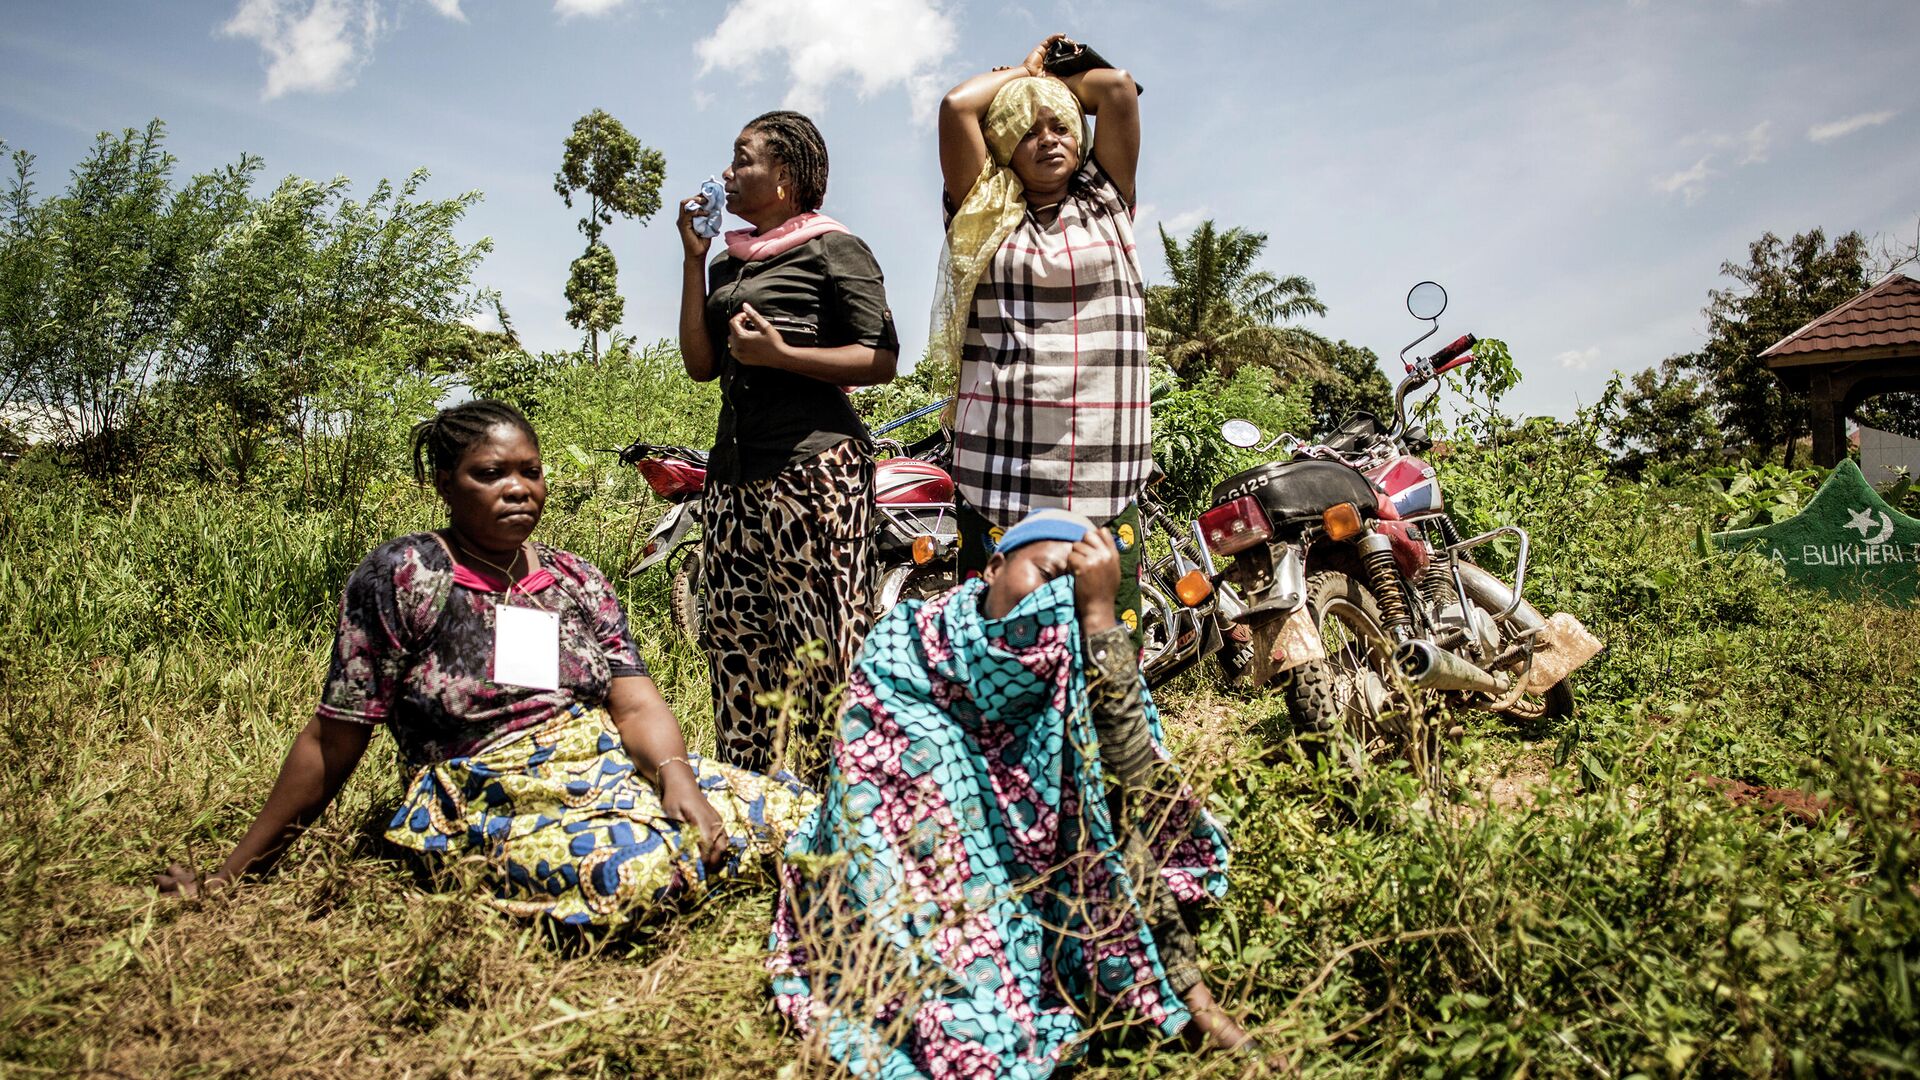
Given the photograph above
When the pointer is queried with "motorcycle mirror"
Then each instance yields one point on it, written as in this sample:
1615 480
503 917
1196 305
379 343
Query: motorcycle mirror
1426 300
1240 433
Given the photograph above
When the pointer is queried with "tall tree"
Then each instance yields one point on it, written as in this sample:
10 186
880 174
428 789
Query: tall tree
1660 414
1782 286
619 176
1220 312
1353 381
93 283
325 320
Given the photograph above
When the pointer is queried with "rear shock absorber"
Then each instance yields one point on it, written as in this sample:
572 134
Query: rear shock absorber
1436 581
1377 551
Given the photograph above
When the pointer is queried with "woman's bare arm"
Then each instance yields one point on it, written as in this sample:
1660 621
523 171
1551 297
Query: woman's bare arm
696 345
963 145
1109 93
650 734
321 759
757 343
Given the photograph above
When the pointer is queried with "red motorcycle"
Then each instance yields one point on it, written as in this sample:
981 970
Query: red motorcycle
914 535
1361 593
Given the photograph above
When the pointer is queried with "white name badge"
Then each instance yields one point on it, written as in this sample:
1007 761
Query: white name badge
526 647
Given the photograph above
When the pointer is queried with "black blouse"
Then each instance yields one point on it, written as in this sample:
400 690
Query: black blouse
826 293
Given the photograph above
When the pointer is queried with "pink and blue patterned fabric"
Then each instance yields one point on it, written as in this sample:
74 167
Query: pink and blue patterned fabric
958 906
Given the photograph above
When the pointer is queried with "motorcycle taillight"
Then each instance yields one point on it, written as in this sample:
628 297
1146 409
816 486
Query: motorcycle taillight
672 479
1235 526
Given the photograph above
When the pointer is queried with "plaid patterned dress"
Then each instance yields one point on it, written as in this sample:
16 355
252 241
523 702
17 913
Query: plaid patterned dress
1053 393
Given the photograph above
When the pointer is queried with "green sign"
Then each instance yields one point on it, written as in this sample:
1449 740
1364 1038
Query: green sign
1847 541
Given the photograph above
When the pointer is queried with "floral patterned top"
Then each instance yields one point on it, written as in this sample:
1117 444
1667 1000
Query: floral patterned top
415 647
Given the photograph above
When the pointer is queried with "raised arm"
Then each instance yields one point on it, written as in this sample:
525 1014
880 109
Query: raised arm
1109 94
963 144
696 345
322 757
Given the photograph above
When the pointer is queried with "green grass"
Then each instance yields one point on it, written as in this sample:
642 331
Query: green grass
1608 915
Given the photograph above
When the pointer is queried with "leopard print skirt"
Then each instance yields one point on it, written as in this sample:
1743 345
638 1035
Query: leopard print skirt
789 584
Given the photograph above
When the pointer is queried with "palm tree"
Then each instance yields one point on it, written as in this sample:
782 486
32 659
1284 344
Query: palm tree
1220 313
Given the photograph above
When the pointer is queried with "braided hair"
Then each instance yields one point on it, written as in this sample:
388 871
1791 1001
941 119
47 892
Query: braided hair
797 143
440 443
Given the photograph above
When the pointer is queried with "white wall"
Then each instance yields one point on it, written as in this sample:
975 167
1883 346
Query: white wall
1883 454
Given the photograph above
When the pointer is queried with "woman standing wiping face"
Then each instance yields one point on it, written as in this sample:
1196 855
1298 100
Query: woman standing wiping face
1042 313
790 313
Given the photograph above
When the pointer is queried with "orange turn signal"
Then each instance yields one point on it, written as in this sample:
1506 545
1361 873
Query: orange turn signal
923 549
1342 522
1193 588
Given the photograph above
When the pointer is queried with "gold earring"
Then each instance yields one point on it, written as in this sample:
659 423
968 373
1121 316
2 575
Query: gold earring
779 191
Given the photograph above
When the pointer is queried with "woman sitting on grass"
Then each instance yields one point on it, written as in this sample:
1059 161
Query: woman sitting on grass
974 893
532 736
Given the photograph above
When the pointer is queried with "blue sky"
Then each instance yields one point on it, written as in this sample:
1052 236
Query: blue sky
1574 172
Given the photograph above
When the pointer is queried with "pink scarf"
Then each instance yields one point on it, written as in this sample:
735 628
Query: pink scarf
744 245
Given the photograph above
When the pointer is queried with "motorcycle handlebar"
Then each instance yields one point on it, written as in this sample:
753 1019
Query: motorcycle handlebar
1459 345
1452 356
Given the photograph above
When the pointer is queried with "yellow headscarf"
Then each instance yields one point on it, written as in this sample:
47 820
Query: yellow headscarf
993 208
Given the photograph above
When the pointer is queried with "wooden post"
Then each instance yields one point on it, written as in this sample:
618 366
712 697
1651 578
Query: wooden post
1825 412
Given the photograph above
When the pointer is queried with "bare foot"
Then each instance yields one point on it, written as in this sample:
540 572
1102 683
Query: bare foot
1217 1030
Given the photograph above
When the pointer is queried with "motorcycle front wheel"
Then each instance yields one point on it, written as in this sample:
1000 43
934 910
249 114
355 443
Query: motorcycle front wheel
1346 705
686 596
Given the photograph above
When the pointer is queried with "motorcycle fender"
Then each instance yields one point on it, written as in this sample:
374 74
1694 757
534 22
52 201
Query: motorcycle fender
1298 641
892 583
1283 644
666 536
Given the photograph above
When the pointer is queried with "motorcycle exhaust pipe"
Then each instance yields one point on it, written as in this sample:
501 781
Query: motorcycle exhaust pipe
1429 667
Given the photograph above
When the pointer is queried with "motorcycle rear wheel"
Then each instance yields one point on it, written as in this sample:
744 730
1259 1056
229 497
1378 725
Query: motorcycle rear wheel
1347 705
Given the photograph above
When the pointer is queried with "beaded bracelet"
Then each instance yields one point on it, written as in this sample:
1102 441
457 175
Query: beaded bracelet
661 768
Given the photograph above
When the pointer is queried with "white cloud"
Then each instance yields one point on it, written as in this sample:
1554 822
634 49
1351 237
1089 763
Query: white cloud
877 43
1689 183
567 9
1578 359
1186 221
1839 129
315 46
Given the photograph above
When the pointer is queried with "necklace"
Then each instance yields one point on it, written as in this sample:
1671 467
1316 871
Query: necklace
506 572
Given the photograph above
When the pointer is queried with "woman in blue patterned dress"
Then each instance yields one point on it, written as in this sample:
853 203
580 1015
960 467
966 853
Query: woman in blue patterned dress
529 733
1003 846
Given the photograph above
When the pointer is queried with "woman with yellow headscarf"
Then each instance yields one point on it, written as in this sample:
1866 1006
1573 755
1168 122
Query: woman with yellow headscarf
1041 312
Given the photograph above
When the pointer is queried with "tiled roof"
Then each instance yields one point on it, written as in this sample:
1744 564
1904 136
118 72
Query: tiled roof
1883 321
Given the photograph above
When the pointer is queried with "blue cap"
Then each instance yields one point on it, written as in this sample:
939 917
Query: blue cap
1045 525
